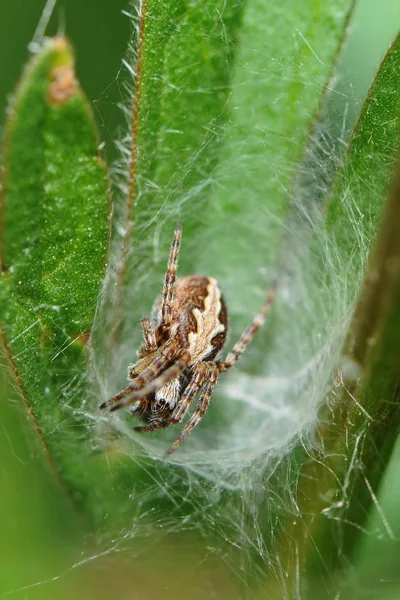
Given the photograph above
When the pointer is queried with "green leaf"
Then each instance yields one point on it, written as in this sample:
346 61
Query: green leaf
183 62
188 95
264 106
373 352
283 66
219 129
368 170
55 218
227 84
358 426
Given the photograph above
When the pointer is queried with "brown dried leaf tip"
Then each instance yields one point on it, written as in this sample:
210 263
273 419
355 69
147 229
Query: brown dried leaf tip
63 85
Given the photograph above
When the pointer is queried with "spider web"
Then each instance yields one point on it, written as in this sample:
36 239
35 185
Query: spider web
233 483
233 477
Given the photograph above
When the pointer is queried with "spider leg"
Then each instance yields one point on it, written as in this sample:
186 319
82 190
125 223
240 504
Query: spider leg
149 336
248 333
153 426
170 277
150 387
198 375
164 355
204 401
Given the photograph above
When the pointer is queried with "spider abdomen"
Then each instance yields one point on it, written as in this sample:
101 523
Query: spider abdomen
201 314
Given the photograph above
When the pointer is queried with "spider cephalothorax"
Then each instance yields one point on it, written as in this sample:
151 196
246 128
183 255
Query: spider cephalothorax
178 356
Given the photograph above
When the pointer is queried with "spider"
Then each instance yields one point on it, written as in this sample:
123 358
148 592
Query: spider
178 356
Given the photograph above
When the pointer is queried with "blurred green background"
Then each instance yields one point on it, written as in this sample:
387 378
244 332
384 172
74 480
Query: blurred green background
44 551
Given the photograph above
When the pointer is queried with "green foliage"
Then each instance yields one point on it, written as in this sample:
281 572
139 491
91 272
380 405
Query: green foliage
359 424
55 216
283 48
184 61
363 182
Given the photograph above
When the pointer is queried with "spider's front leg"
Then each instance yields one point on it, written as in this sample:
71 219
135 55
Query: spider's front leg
151 378
170 278
206 379
162 424
197 377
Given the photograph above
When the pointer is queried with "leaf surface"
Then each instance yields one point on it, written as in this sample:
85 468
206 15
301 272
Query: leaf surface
55 221
358 426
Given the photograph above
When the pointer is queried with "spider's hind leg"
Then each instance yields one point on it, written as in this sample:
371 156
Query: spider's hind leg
248 333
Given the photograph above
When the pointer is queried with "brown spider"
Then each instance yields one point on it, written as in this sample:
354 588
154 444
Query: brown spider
177 358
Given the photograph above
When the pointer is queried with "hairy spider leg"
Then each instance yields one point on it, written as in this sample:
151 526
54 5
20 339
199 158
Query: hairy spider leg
164 354
248 333
201 409
153 426
199 373
149 337
170 277
150 387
